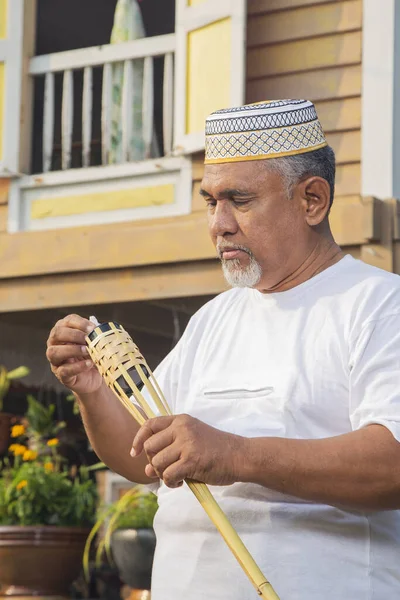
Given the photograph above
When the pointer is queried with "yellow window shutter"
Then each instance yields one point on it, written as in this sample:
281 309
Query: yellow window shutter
210 65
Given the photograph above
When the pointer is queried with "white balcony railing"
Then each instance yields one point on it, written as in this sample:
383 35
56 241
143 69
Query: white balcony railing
85 60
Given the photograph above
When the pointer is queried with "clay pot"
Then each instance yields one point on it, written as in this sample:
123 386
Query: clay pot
5 431
39 560
133 553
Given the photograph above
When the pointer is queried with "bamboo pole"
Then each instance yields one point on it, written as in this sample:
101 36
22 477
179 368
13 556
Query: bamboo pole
116 355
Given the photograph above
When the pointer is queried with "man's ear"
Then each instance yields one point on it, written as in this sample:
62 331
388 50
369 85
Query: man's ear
315 194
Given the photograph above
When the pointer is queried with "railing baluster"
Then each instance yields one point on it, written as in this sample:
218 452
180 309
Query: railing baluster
106 114
87 107
126 111
136 130
48 121
168 102
67 118
148 105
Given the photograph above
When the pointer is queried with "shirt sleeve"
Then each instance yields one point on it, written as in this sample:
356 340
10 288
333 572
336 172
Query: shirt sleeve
375 375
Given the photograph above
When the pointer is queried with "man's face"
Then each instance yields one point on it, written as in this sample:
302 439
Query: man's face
258 231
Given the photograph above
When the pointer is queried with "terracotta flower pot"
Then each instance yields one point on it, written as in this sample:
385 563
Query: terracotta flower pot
40 560
5 431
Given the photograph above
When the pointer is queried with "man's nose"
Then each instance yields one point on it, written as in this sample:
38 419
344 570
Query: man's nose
222 220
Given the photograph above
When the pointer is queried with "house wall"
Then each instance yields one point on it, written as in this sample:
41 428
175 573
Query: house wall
304 49
311 49
295 48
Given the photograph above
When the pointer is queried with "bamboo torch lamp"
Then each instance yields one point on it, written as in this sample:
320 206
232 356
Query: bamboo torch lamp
126 373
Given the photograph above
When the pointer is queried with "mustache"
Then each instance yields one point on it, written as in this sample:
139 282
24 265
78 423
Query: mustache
222 246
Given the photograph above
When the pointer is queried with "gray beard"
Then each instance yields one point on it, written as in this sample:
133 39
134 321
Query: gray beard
238 276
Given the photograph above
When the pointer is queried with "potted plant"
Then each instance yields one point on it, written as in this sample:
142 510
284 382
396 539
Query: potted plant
128 538
6 377
46 509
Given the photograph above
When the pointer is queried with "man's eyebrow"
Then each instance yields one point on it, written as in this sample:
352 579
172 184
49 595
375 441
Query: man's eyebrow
227 193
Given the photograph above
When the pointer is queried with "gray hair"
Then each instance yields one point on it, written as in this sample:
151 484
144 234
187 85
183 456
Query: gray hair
319 163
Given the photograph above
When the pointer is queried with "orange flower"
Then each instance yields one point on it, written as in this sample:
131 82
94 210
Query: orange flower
53 442
22 484
17 430
49 467
29 455
17 449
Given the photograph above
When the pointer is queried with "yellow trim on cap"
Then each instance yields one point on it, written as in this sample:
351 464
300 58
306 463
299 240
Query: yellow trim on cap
215 161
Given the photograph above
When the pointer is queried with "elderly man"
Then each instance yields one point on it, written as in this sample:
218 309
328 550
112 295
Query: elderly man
286 388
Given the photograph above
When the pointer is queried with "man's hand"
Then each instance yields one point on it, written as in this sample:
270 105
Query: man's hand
69 357
182 447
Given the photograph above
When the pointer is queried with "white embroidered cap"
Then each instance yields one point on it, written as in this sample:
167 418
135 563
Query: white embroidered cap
268 129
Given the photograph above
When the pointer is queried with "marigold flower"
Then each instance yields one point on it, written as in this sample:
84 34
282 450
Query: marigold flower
17 430
53 442
17 449
29 455
49 467
22 484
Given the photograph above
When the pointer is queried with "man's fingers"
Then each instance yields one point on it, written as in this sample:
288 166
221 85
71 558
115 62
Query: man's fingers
164 459
77 322
66 335
70 370
58 355
151 472
150 427
174 475
158 441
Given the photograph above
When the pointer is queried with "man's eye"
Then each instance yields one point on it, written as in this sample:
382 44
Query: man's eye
210 202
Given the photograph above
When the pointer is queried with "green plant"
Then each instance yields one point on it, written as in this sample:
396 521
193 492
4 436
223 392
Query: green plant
37 487
5 380
42 425
134 510
138 513
75 405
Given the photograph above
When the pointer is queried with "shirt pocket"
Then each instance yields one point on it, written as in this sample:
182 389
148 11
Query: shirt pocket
251 412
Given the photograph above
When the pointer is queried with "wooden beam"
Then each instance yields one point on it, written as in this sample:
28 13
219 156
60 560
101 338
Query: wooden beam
112 286
126 244
156 242
382 254
354 220
81 291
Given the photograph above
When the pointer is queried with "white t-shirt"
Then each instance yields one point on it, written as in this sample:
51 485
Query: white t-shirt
316 361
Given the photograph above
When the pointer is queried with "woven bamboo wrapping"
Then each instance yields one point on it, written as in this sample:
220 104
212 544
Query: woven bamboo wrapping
117 357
